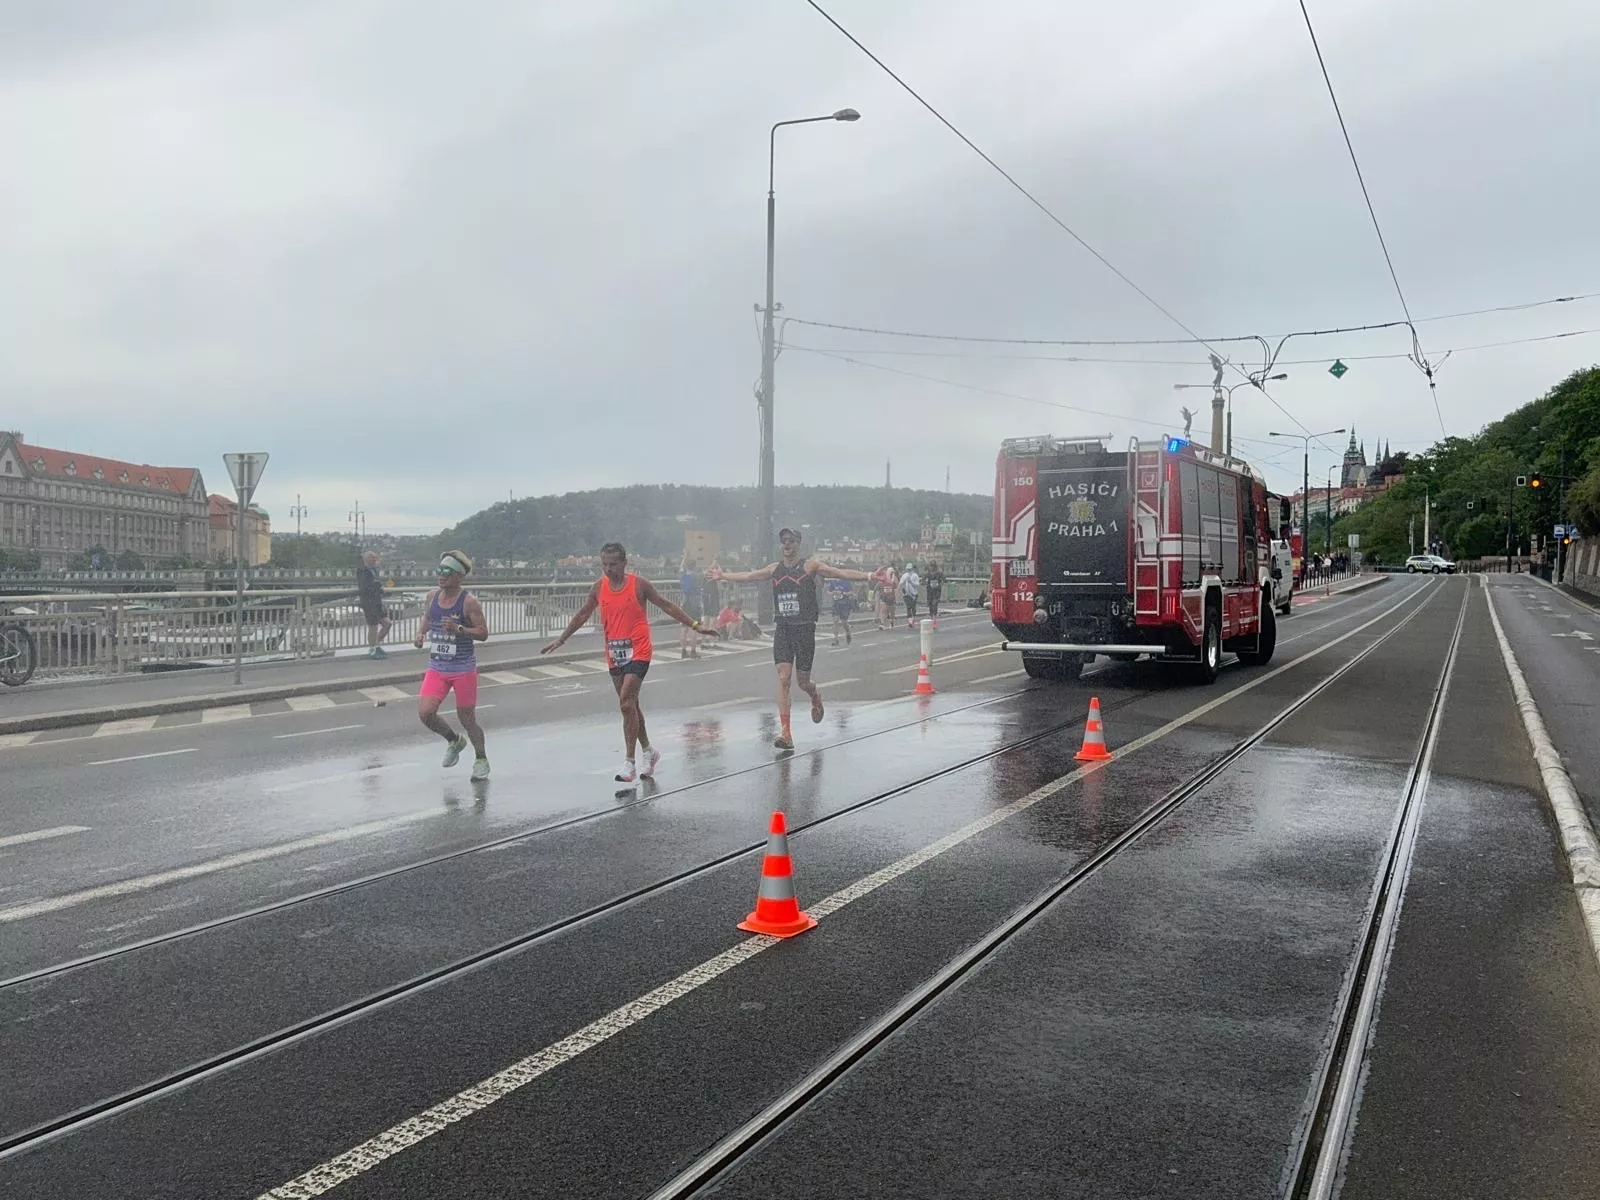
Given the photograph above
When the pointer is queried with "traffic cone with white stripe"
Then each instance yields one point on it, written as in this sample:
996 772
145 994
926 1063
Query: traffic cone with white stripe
777 912
924 680
1094 736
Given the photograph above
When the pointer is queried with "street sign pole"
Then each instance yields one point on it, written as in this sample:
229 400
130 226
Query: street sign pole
245 471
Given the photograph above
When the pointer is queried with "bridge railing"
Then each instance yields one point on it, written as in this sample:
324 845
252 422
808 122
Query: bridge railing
110 633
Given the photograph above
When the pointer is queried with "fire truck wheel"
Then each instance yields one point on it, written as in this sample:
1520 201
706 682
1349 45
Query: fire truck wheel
1211 645
1265 644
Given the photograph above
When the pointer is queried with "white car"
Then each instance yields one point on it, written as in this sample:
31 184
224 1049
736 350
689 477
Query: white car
1431 563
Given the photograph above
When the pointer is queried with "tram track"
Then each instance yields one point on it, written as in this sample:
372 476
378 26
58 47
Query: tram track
1337 1077
21 1141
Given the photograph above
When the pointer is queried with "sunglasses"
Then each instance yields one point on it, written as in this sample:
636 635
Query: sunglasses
443 570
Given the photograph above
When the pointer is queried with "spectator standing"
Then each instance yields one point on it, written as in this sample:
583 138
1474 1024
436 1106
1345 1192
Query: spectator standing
910 588
369 592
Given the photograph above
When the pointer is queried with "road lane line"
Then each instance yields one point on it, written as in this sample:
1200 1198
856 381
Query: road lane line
39 835
1578 837
130 725
992 678
714 671
107 762
231 712
145 883
309 703
342 775
369 1154
731 703
278 737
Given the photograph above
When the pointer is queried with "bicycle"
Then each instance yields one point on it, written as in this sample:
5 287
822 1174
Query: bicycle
19 654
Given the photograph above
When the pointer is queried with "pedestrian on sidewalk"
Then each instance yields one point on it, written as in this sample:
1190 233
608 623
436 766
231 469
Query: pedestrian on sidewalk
795 609
452 625
621 596
369 590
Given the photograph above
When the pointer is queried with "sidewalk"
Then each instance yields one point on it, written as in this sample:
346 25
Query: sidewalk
1318 592
36 706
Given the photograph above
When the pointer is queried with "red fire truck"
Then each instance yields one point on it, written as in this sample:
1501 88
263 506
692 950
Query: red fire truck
1162 549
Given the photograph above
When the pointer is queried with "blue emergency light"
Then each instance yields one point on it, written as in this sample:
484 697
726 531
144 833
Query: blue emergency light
1175 444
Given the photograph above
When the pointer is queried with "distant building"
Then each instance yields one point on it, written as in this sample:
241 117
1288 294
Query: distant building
64 505
224 512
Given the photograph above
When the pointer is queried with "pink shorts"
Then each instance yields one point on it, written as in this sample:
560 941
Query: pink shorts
436 685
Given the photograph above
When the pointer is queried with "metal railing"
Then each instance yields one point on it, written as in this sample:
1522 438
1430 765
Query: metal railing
112 633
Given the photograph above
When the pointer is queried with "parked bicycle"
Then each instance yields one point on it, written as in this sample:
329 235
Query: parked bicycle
19 654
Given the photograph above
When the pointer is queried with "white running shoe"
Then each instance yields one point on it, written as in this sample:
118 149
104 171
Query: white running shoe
452 754
628 773
652 756
480 769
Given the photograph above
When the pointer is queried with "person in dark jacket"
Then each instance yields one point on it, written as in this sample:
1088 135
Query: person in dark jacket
369 590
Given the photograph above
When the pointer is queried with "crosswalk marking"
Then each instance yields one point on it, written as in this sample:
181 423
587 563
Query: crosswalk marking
233 712
308 703
385 693
590 666
8 740
556 672
130 725
506 677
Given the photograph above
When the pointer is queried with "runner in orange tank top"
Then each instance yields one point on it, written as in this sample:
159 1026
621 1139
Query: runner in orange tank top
620 596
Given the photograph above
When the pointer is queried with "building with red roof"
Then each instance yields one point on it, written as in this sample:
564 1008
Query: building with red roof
62 504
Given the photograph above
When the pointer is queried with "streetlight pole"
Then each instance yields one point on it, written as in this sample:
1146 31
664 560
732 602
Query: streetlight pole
1328 514
297 512
1255 383
1305 439
764 521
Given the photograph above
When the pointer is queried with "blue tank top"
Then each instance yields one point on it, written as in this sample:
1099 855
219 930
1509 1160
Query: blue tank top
449 655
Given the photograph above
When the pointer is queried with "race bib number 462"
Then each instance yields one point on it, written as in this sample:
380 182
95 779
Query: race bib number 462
442 646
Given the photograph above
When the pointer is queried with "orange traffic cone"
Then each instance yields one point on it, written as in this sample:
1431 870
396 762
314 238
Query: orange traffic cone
777 911
1094 736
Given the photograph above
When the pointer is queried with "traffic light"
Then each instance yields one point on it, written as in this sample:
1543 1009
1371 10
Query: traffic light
1522 481
1469 505
1535 481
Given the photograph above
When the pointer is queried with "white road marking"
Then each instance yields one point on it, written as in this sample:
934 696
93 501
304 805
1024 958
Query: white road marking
355 1162
309 703
130 725
231 712
321 779
715 671
833 683
107 762
39 835
1002 675
145 883
507 677
556 672
1577 633
278 737
590 666
8 740
385 693
731 703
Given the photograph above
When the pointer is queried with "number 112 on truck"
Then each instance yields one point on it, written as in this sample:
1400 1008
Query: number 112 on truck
1163 550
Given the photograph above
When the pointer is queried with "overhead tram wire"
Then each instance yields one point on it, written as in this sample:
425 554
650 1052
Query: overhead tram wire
1057 221
1419 357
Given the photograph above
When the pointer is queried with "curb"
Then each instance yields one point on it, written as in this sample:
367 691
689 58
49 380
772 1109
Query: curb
1361 585
66 718
1577 834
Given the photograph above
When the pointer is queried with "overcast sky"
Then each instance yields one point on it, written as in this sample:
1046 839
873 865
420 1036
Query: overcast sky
428 255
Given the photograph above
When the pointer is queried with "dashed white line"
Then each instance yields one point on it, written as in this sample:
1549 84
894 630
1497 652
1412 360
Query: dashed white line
385 693
309 703
278 737
992 678
145 883
130 725
39 835
342 775
107 762
231 712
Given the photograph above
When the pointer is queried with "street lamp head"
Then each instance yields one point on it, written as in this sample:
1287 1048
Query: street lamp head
847 114
1280 375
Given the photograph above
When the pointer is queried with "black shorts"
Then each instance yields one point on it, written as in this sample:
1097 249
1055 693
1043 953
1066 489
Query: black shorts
373 610
795 644
639 667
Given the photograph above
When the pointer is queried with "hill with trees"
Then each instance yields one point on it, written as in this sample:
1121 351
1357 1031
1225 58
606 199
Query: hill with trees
650 519
1471 481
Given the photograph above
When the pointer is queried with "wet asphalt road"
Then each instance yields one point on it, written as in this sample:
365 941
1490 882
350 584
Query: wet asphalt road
1164 1016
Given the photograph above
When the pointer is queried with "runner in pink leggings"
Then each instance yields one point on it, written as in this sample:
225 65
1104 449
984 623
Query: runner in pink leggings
452 625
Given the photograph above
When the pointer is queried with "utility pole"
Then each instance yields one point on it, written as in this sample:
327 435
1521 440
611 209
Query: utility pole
298 512
358 520
1561 515
1511 502
1427 514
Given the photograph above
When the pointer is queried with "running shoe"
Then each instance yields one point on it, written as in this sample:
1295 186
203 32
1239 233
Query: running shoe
816 708
480 768
628 773
452 753
652 756
783 742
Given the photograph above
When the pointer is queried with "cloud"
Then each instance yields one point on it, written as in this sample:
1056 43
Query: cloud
425 256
